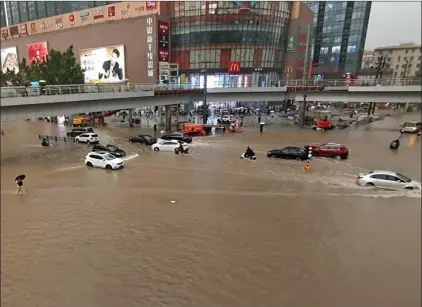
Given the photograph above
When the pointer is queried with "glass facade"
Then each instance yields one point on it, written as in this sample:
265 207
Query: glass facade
208 35
340 34
24 11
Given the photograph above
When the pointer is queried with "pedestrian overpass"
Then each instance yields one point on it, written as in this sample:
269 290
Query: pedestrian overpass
18 103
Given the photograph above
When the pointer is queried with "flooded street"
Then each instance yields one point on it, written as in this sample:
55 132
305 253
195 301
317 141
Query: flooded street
208 228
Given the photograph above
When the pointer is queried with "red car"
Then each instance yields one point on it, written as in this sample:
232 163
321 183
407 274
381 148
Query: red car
329 150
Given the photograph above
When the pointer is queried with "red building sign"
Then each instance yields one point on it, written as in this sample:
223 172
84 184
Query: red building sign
234 67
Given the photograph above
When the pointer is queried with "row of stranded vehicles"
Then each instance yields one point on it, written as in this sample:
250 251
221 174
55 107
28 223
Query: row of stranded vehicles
110 157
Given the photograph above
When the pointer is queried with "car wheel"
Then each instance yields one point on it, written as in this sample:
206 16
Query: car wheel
130 141
89 164
273 157
156 149
77 140
108 166
88 142
369 184
298 158
337 157
408 188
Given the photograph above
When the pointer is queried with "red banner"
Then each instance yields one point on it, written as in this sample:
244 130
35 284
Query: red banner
234 67
37 52
163 28
163 55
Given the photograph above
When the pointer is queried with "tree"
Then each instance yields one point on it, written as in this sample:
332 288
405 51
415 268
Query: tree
59 68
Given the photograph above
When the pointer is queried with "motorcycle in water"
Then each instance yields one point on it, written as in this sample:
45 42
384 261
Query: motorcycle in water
45 142
248 157
395 144
177 151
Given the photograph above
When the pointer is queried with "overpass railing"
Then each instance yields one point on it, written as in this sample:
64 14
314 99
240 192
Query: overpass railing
21 91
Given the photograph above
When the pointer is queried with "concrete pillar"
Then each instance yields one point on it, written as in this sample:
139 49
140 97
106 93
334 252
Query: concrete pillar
407 106
130 119
302 112
373 107
370 108
168 118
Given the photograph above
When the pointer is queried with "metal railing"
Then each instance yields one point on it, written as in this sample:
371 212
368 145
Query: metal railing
49 90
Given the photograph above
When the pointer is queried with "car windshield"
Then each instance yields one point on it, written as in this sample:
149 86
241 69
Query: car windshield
147 137
94 135
404 178
109 157
112 147
406 125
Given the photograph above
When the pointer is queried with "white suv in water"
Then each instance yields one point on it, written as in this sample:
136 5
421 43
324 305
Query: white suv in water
103 159
89 138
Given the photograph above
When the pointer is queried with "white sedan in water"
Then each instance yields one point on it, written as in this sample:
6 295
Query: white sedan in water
387 180
168 145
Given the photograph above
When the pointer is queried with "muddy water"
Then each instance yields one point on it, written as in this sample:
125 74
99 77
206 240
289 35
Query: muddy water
209 229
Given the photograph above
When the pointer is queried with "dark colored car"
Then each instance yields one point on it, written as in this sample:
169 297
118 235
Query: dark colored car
114 150
178 136
329 150
78 131
143 139
293 153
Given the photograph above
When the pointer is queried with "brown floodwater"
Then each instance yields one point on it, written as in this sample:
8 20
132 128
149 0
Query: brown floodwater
208 228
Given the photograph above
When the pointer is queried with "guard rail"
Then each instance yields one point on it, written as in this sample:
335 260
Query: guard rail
22 91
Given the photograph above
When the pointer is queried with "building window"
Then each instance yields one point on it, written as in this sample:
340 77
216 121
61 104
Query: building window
32 10
398 59
41 9
23 11
51 8
395 74
407 51
397 66
212 8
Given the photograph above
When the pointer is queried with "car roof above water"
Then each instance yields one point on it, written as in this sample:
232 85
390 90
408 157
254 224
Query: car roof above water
382 172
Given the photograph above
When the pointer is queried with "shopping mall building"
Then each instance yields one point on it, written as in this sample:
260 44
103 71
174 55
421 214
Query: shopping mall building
232 42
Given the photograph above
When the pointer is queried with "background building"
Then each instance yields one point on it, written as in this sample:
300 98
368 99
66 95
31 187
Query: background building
297 59
96 34
16 12
339 36
230 41
404 59
369 60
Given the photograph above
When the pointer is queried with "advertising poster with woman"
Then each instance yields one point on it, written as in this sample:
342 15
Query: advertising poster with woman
104 64
37 51
9 59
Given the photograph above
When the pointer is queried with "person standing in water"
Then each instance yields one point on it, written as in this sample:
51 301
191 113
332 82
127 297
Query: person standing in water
19 183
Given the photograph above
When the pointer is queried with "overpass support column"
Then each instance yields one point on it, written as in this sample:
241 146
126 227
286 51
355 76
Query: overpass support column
130 119
168 118
373 107
302 112
407 106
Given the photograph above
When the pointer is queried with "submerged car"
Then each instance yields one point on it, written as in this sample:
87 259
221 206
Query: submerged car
143 139
178 136
329 150
114 150
292 153
387 180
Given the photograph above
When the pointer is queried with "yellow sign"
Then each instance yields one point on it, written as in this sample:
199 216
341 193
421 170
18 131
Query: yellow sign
288 69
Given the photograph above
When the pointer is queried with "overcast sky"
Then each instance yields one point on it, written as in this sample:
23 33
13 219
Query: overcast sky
393 23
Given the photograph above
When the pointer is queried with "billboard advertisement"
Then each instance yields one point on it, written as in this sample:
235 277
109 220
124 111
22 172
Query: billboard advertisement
37 52
9 59
104 64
